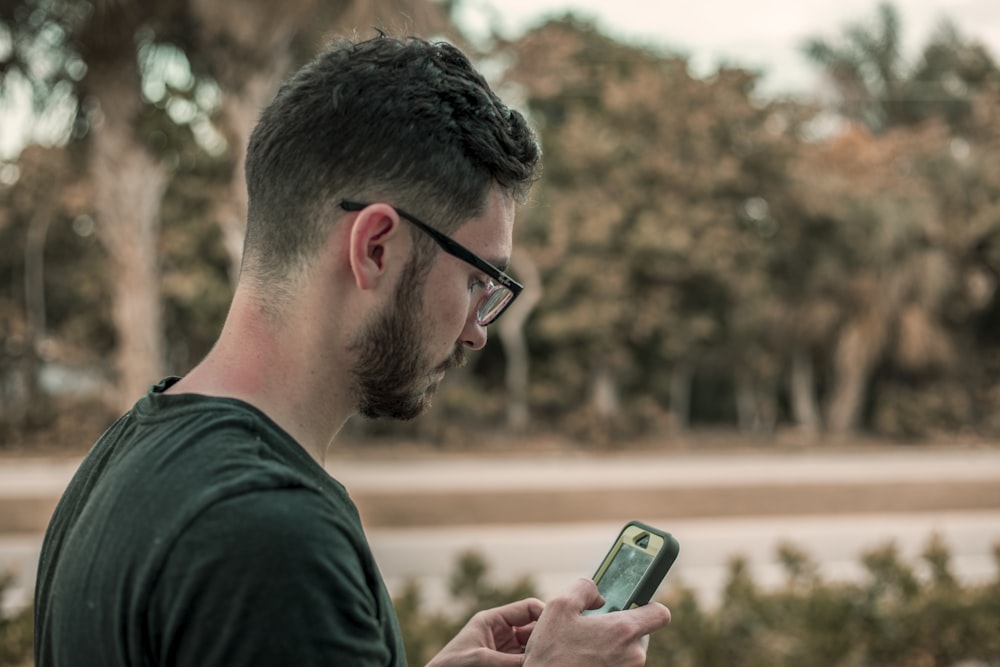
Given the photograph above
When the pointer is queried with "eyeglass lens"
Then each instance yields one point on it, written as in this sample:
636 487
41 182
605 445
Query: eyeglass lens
493 304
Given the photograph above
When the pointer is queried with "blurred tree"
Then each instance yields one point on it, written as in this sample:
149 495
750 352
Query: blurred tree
877 87
95 56
648 256
875 288
695 251
946 80
961 170
49 316
912 270
129 182
866 69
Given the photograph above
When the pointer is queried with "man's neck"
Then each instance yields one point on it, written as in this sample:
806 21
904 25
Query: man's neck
278 370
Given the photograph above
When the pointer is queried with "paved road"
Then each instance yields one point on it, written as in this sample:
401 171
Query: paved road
673 470
40 476
552 517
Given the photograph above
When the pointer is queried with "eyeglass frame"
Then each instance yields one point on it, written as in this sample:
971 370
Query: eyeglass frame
455 249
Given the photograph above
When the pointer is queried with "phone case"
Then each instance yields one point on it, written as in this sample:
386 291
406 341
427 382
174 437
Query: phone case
652 573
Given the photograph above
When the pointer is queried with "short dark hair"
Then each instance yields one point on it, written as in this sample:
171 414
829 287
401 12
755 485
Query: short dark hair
401 120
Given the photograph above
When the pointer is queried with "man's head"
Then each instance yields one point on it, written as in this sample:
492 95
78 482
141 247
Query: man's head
399 120
390 129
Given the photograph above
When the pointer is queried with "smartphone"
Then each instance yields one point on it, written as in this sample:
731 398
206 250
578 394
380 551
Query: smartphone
634 567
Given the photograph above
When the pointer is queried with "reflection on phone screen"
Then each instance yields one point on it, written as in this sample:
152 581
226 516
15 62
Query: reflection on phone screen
622 577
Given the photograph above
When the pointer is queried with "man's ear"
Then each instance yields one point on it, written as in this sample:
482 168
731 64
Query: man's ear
369 250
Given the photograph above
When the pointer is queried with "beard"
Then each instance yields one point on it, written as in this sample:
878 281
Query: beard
392 377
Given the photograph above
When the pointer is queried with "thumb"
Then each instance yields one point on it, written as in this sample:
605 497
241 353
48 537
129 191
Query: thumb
583 594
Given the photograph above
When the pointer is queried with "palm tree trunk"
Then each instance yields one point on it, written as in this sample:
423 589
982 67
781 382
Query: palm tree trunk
128 187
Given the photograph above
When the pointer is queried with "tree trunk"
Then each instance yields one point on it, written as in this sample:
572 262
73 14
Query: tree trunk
747 412
856 352
128 188
240 109
805 409
34 300
755 407
604 393
681 380
510 328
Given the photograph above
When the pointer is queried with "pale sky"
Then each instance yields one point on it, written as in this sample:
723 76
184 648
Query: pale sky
757 34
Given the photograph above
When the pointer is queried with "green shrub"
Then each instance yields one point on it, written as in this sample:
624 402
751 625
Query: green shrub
891 618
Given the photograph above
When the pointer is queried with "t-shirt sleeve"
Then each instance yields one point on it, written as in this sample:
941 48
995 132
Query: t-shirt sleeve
267 578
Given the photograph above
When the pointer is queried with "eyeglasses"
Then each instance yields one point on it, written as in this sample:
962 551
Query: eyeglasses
501 289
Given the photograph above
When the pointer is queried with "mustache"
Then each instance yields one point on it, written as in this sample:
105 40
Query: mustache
457 359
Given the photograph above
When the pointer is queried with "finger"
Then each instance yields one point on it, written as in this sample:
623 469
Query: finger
520 613
649 618
523 633
597 602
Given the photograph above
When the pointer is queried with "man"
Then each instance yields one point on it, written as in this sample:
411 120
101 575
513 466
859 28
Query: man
202 528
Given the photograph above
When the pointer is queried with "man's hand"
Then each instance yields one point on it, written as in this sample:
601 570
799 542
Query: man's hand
492 638
555 635
564 637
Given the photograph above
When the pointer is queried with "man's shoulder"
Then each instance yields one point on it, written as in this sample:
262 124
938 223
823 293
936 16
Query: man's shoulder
195 447
278 516
156 477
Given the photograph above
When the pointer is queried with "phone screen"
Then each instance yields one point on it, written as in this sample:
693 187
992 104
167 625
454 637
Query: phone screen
622 576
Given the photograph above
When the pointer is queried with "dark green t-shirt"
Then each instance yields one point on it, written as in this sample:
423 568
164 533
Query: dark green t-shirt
197 532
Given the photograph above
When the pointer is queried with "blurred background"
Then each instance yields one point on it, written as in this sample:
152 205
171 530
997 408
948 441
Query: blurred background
761 306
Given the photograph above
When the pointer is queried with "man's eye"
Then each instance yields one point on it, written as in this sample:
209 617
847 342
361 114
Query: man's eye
476 283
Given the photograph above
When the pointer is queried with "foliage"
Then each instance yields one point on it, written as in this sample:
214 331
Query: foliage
194 266
707 257
654 220
894 616
899 614
878 88
16 631
922 273
54 302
